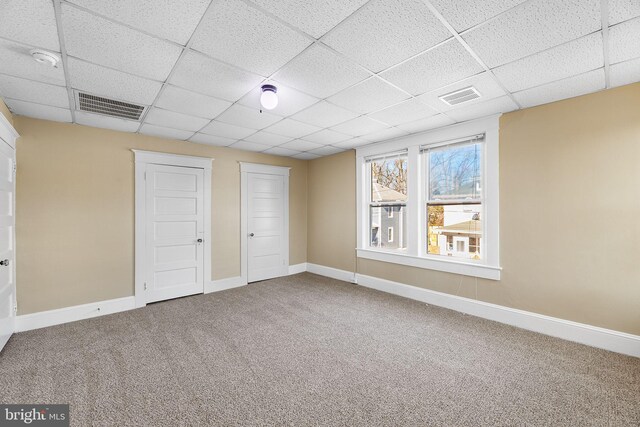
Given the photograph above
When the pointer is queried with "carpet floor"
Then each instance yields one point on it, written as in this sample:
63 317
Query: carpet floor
307 350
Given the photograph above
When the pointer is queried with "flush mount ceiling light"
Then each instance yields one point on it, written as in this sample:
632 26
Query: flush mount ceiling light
45 57
269 97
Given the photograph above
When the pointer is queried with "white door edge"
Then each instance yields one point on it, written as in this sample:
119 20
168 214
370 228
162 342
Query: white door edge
142 159
8 138
245 170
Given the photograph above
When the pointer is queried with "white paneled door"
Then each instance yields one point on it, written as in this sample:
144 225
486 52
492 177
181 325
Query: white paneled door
7 242
174 232
266 249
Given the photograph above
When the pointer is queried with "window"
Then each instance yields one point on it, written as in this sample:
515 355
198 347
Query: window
387 193
431 200
453 183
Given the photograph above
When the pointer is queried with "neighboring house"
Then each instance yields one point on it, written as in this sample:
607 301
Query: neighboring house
462 239
387 218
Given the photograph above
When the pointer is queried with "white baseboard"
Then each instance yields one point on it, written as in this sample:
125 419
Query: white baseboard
297 268
594 336
27 322
334 273
224 284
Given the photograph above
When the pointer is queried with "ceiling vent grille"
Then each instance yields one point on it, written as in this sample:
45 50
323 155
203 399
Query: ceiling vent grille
109 107
460 96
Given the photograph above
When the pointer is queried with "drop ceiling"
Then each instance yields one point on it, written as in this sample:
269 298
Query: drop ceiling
348 72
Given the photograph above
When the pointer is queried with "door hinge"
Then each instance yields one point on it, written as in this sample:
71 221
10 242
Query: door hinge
145 286
15 309
145 175
15 168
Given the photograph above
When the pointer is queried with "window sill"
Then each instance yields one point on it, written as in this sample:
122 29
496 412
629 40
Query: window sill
431 263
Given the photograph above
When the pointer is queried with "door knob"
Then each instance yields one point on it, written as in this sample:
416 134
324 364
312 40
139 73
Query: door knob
199 240
251 234
5 263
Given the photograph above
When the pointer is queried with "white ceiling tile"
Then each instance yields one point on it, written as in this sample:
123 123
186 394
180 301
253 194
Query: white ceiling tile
352 143
171 119
17 61
38 111
533 27
503 104
326 150
625 73
248 117
464 14
226 130
562 89
385 32
313 17
425 124
327 136
208 76
433 69
301 145
106 122
267 138
111 84
406 111
483 83
622 10
306 156
292 128
203 138
371 95
30 21
164 132
279 151
249 146
290 101
187 102
168 19
105 43
324 114
386 134
359 126
569 59
320 72
241 35
624 41
27 90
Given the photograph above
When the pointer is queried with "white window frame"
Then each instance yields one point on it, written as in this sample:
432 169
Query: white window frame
415 255
389 233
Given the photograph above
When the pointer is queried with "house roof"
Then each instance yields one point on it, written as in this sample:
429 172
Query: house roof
386 194
467 227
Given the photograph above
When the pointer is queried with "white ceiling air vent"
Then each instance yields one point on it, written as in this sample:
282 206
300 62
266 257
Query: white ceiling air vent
460 96
108 107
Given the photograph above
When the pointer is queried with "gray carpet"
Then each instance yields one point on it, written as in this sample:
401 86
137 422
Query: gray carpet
307 350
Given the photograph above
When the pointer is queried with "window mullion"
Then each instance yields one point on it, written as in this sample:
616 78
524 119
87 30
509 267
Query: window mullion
413 201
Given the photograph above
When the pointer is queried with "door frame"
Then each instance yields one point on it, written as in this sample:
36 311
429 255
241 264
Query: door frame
245 170
142 159
9 136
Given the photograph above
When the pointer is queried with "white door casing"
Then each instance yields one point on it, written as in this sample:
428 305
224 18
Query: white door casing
8 306
173 226
264 221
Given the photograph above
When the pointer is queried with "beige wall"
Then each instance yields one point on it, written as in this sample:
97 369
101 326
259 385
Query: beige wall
332 206
75 211
4 110
569 214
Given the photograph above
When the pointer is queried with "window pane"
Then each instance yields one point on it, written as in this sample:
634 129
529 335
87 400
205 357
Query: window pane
389 179
455 230
454 172
385 231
